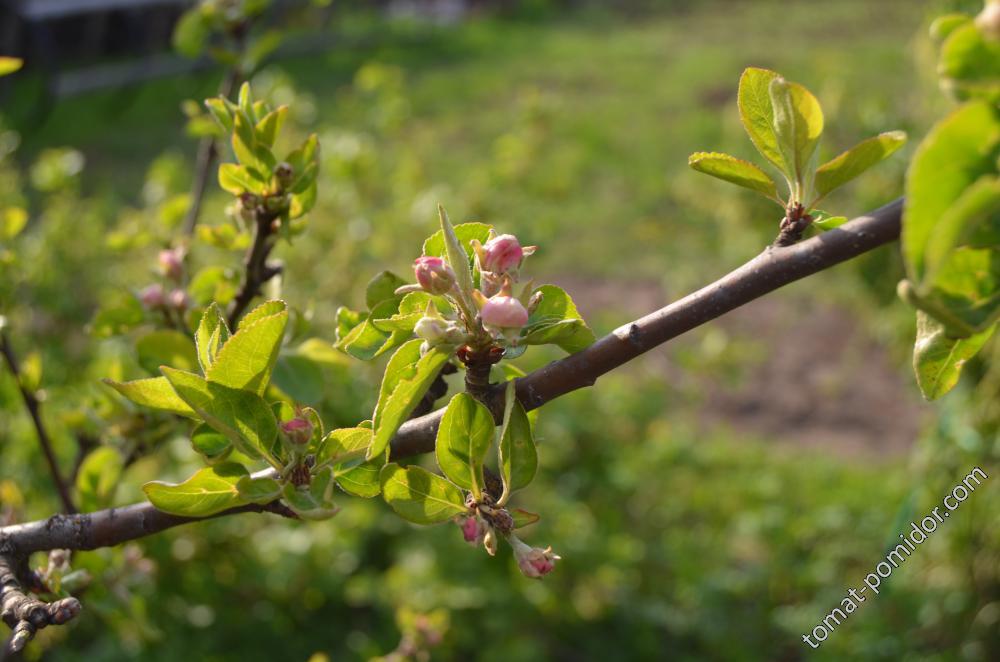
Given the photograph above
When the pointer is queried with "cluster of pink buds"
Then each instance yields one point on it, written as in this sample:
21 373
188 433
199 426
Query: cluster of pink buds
534 562
170 263
156 297
500 261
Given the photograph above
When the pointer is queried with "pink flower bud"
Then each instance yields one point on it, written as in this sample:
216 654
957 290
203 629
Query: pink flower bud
179 299
501 254
504 312
152 296
172 263
988 20
299 430
433 274
534 562
473 530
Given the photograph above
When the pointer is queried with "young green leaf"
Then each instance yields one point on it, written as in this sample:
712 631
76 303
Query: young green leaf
938 359
972 220
244 417
757 114
98 477
343 445
517 453
383 286
258 490
314 502
207 492
965 141
734 170
220 111
466 233
211 445
458 258
798 125
419 496
838 171
247 358
463 438
211 335
523 518
407 377
267 128
155 393
345 450
557 321
237 179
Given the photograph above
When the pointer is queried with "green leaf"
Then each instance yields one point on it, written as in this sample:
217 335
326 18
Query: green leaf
938 359
155 393
734 170
419 496
407 377
523 518
942 26
303 201
458 257
343 445
247 358
245 147
757 114
266 309
973 219
237 179
556 321
366 341
517 452
463 438
466 232
411 310
211 445
244 417
838 171
191 33
166 347
970 58
383 286
98 477
964 293
211 335
798 125
361 480
824 221
298 377
959 150
220 111
314 502
9 65
268 127
258 490
207 492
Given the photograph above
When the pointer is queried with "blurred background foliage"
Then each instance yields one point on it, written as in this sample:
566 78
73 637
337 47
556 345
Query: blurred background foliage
712 501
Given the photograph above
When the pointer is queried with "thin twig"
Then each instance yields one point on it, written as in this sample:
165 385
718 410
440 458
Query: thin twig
256 269
34 408
767 272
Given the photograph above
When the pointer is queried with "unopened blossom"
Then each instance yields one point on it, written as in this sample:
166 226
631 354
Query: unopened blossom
299 430
504 312
152 296
473 530
171 262
988 20
179 299
534 562
433 274
502 254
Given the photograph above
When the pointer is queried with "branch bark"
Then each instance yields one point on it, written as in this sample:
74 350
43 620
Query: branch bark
256 269
34 408
767 272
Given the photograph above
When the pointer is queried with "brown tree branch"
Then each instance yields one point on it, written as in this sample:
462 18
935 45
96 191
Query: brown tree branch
23 614
34 408
767 272
772 269
256 271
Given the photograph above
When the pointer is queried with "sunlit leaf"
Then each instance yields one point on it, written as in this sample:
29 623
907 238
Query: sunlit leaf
419 496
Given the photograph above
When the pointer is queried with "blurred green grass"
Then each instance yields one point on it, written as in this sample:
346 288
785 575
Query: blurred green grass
680 541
